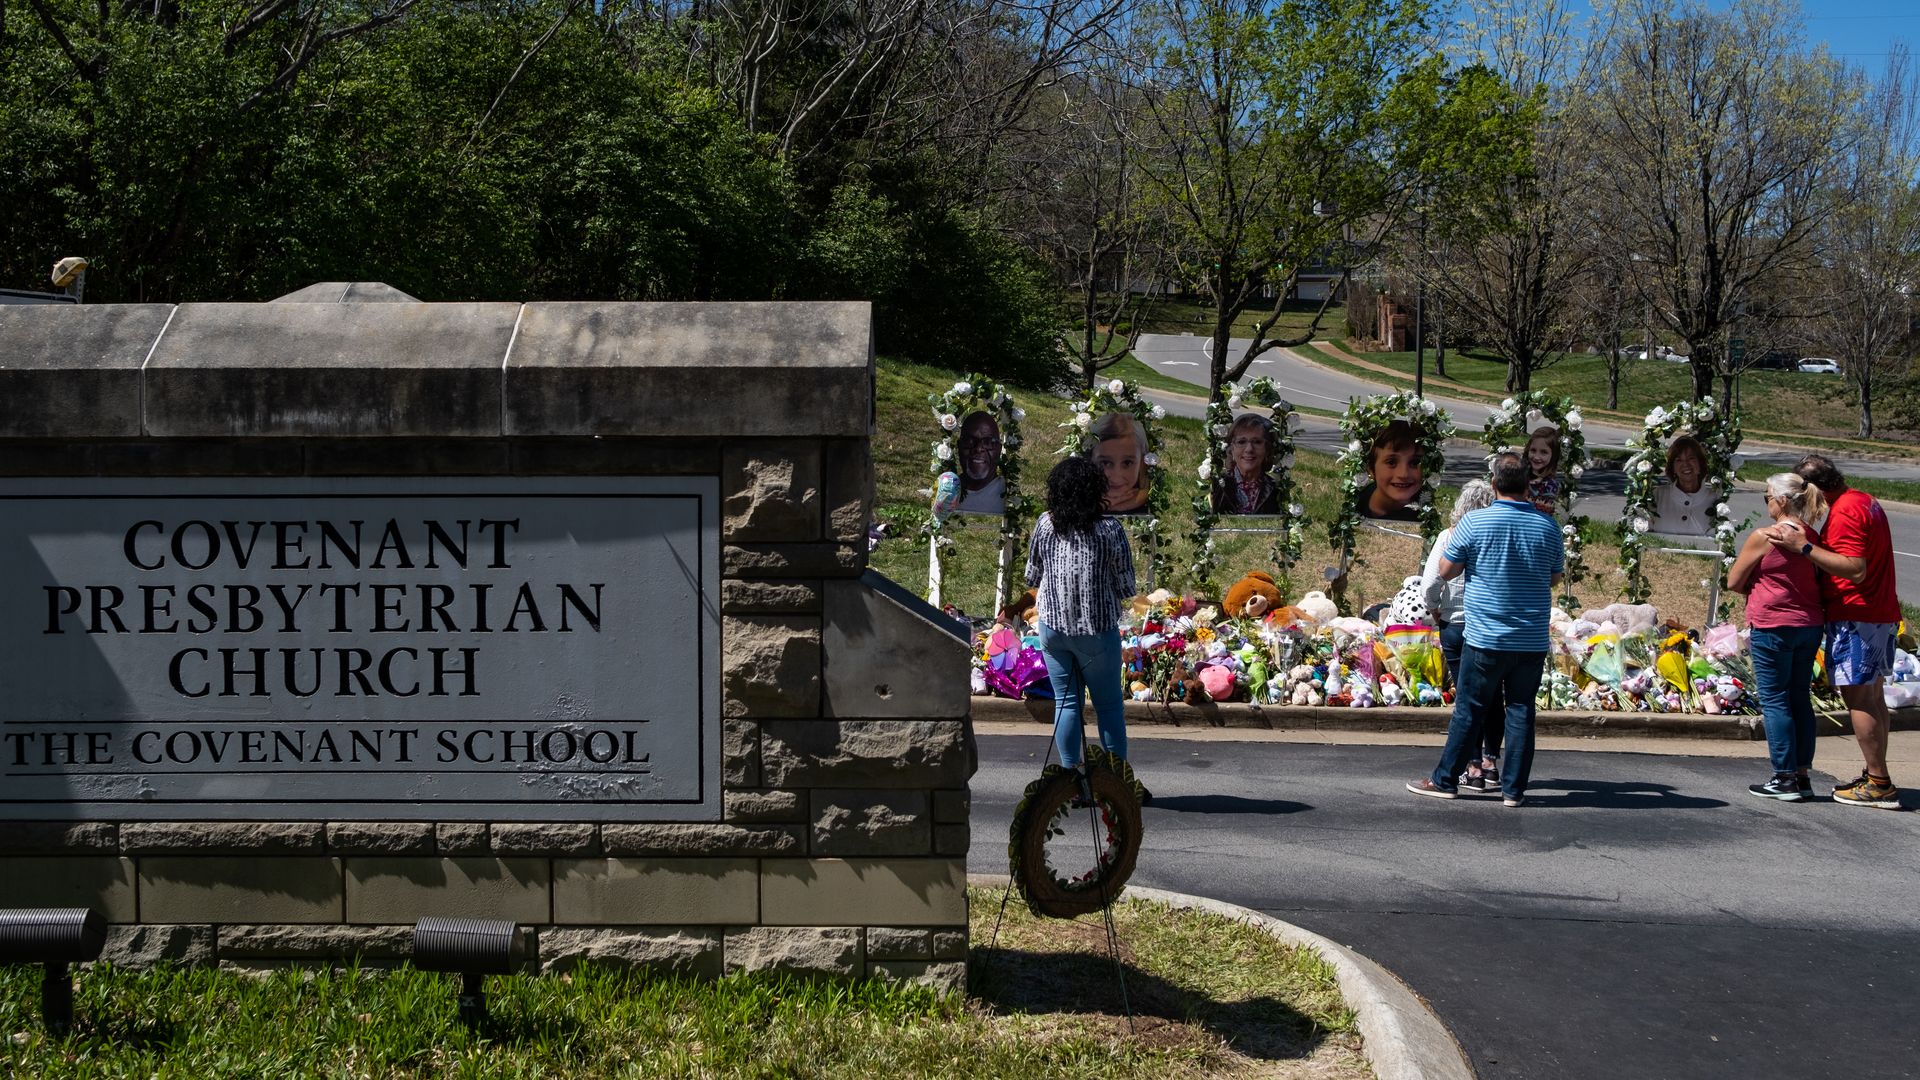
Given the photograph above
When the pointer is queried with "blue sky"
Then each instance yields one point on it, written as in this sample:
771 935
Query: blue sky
1858 31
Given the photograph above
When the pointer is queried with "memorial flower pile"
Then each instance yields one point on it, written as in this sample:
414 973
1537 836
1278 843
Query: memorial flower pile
1620 658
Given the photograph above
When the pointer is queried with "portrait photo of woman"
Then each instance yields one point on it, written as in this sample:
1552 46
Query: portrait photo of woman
1681 504
1121 452
1246 485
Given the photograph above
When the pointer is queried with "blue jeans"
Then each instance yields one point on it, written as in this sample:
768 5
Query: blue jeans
1090 662
1783 679
1453 638
1484 673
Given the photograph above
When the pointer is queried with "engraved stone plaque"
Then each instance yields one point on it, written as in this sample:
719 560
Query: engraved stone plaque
521 649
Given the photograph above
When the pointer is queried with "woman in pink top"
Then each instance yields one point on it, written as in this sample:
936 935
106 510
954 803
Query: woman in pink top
1785 620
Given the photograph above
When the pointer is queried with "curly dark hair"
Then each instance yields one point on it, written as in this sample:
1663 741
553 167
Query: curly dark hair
1076 494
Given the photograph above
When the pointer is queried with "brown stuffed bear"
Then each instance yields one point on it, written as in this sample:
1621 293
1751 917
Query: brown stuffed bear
1251 597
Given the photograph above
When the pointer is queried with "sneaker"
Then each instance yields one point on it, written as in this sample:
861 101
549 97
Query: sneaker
1851 784
1490 769
1477 783
1513 800
1784 788
1425 786
1870 792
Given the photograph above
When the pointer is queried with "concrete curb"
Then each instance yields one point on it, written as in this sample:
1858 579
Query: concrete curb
1421 721
1401 1036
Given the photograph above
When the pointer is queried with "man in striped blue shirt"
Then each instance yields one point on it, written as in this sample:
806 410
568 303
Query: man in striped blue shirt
1513 556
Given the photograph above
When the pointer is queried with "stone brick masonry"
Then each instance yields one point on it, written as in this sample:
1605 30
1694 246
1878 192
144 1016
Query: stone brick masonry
846 743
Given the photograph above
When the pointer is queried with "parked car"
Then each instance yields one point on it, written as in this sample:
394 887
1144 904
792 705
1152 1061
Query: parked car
1660 352
1817 365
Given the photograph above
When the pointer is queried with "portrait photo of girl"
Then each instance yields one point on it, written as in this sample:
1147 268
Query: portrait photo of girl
1246 485
1543 468
1121 453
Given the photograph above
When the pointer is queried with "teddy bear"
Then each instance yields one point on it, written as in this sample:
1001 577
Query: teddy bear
1626 618
1252 596
1390 692
1316 606
1218 682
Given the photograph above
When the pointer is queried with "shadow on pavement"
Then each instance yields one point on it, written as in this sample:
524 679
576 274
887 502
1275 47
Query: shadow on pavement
1225 804
1603 795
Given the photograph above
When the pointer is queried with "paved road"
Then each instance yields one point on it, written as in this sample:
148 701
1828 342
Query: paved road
1643 916
1307 383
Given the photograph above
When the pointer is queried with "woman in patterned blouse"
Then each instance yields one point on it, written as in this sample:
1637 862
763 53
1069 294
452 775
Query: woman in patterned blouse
1082 565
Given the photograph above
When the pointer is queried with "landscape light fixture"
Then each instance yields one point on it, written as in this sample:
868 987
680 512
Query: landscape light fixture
474 948
54 937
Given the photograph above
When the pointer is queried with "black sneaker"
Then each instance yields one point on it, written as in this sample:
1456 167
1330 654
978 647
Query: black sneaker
1474 783
1784 788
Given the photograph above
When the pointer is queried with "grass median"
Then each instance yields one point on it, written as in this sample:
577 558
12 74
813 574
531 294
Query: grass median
1213 998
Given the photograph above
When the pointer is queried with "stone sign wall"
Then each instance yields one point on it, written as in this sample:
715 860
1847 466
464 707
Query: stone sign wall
832 833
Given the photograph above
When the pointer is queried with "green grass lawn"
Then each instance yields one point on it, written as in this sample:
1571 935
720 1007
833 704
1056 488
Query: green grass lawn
1214 998
1906 491
1783 402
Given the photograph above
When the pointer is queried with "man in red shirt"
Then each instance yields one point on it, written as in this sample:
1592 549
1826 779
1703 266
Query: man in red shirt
1855 560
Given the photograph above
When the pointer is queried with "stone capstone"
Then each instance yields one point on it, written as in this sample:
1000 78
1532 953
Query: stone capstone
688 952
814 950
772 491
674 839
867 753
870 823
770 665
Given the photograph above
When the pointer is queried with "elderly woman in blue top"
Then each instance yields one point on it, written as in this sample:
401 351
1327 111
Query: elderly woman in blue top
1081 563
1512 556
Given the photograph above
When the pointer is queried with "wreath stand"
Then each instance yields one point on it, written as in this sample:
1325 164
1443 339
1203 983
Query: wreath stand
1337 575
936 576
1713 580
1116 804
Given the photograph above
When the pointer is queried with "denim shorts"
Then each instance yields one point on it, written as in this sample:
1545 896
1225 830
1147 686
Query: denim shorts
1859 653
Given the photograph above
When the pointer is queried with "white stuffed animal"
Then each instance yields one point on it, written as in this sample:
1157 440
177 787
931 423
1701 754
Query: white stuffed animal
1316 606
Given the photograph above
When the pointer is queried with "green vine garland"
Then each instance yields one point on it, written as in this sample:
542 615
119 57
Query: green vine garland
1260 393
1720 436
1118 395
1507 428
976 393
1363 422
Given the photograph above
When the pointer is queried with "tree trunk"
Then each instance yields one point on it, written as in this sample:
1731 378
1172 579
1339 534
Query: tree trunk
1519 375
1726 392
1866 407
1222 340
1613 372
1705 366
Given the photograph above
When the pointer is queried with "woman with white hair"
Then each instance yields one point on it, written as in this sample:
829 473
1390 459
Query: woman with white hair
1447 601
1786 620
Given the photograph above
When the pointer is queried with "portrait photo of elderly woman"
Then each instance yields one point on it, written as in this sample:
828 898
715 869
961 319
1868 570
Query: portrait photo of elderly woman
1120 450
1246 485
1682 504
